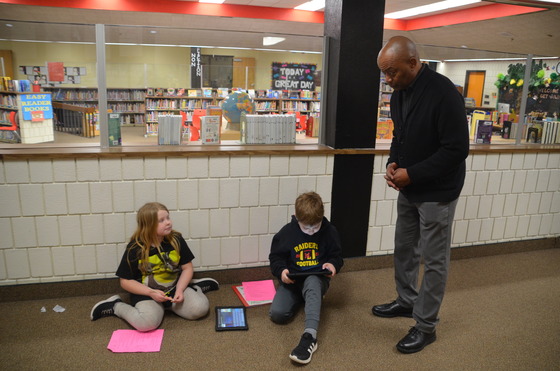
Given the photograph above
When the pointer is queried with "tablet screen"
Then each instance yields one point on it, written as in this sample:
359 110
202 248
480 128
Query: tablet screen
231 318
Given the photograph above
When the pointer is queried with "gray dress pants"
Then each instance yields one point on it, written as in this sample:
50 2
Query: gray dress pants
423 231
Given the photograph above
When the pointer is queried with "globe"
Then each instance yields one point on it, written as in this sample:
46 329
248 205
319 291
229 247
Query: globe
234 104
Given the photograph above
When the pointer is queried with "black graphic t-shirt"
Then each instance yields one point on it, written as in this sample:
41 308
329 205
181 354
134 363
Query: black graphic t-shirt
165 265
297 251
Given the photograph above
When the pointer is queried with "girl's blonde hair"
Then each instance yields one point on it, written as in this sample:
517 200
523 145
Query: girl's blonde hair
145 235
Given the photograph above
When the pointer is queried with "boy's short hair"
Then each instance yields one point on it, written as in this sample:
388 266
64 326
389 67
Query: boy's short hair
309 208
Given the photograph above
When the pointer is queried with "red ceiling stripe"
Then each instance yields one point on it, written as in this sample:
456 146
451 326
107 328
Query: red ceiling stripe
479 13
182 7
284 14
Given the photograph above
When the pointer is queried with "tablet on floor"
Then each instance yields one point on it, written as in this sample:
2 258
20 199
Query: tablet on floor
231 318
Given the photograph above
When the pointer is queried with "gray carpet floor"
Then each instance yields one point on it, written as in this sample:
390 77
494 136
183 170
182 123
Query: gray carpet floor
500 313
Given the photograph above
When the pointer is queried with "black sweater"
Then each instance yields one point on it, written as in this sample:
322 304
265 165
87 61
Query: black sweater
297 251
432 141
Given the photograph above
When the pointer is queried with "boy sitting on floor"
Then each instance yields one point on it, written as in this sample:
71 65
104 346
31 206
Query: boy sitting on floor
309 243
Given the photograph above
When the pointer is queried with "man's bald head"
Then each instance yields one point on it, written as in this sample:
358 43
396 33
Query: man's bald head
399 61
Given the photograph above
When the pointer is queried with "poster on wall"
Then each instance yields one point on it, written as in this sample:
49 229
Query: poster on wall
56 71
293 76
196 68
50 74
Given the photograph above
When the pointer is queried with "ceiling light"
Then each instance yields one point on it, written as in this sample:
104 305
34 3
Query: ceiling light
153 31
430 8
267 41
9 25
312 5
212 1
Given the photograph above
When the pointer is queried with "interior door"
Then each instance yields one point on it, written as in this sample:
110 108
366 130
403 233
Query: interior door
474 86
244 73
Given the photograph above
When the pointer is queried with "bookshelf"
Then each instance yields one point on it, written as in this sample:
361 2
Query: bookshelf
129 102
384 122
139 106
174 101
8 107
21 125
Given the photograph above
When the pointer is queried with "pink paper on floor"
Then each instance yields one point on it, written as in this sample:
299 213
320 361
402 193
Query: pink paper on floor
132 341
259 290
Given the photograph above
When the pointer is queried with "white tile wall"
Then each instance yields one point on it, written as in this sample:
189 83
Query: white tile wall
64 219
506 197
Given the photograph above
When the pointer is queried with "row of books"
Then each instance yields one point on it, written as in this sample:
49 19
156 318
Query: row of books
127 107
8 101
20 86
181 92
152 117
224 92
75 94
132 119
268 129
176 104
125 94
5 118
544 132
267 106
284 94
301 106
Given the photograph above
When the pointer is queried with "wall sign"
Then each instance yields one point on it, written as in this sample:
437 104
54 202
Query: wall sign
293 76
546 100
196 68
36 107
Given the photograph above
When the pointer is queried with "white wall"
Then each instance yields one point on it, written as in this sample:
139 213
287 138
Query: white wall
69 219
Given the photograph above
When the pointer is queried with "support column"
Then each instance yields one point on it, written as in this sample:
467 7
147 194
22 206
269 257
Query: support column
354 32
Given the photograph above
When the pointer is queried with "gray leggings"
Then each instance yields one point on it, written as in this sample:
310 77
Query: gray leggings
288 298
147 315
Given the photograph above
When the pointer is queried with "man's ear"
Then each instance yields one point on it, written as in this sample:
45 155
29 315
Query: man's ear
413 62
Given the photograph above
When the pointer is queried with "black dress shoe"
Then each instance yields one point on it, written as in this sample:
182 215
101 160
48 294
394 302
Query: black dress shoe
392 309
415 341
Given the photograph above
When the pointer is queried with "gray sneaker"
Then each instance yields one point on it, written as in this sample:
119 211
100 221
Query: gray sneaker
105 308
205 284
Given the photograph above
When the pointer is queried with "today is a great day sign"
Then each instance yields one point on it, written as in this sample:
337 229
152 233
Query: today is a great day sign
293 76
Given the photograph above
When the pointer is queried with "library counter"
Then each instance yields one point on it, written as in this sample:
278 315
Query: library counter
52 151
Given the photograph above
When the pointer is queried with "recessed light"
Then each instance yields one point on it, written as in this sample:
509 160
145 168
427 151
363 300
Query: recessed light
312 5
9 25
267 40
430 8
153 31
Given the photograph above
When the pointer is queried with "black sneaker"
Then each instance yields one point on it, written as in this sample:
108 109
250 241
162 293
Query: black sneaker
105 308
303 352
205 284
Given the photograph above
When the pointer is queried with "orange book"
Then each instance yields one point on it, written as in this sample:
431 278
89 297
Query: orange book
384 129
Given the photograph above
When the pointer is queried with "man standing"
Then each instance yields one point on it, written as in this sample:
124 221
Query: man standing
427 166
